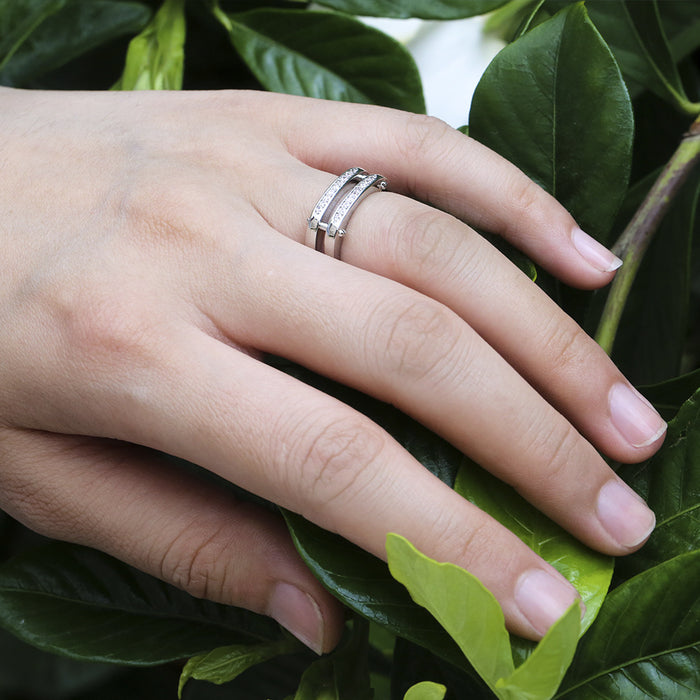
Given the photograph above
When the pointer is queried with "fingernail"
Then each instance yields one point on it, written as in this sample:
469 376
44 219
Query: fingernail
595 254
299 613
543 598
634 417
624 514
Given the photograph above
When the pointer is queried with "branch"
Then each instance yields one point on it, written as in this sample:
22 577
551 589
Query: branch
635 239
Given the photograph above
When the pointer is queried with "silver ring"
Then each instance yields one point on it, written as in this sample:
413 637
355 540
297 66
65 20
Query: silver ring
329 219
316 223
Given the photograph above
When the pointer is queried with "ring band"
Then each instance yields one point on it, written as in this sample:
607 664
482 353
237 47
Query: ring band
316 227
333 227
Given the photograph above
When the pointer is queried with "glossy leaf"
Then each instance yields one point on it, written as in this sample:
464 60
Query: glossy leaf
81 603
364 584
554 103
155 59
670 482
321 54
669 396
79 26
223 664
590 572
425 9
644 644
426 690
474 619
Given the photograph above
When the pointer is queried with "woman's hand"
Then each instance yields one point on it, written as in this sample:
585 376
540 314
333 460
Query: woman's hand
153 248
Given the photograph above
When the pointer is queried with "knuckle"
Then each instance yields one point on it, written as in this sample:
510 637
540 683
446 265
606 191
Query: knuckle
427 245
566 346
526 199
193 562
420 136
416 340
554 446
337 460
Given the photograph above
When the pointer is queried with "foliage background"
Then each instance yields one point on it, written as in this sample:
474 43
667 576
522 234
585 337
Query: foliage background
613 132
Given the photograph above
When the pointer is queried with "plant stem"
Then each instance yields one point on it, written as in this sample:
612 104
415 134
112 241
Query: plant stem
635 239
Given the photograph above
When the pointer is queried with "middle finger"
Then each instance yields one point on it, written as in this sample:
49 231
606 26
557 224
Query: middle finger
408 349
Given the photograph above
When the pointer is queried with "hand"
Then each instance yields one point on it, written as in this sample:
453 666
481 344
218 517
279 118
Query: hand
154 247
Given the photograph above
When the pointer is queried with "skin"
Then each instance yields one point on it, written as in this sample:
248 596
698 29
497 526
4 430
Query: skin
154 248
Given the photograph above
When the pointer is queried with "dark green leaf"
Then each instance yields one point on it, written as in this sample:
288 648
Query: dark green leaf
26 671
425 9
155 59
321 54
223 664
80 26
681 22
669 396
670 482
644 643
634 32
590 572
19 19
365 585
83 604
654 325
554 103
342 675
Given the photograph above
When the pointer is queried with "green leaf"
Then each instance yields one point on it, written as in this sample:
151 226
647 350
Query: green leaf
554 103
223 664
670 481
460 603
364 584
474 619
644 644
28 672
19 19
539 676
425 9
590 572
155 59
321 54
86 605
654 325
342 675
669 396
78 27
427 690
637 38
681 22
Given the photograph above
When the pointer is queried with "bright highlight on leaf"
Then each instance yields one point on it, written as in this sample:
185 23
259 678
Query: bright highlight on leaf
473 617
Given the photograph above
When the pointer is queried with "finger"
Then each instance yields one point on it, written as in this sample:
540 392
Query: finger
427 159
411 351
136 506
310 453
444 259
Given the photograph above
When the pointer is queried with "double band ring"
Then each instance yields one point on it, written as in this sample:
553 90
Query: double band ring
327 221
